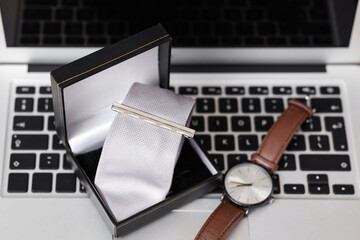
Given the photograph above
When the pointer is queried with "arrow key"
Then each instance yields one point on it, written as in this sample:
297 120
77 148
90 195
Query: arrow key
317 179
294 189
318 189
343 189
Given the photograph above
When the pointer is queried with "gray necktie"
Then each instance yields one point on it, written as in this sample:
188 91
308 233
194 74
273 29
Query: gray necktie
138 158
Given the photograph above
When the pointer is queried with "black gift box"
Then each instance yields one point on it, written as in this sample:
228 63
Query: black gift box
83 92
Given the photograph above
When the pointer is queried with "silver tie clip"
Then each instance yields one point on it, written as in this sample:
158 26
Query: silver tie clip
121 108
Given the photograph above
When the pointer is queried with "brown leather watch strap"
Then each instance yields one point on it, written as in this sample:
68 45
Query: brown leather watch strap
220 221
280 134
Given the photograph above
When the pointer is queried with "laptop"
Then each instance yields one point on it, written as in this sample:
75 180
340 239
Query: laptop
241 60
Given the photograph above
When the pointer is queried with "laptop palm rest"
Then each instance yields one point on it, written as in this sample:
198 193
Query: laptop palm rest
283 220
306 219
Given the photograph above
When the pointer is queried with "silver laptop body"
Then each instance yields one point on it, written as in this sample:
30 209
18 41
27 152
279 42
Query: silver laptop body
313 201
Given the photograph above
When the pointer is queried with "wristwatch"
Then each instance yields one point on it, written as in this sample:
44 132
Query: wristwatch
248 185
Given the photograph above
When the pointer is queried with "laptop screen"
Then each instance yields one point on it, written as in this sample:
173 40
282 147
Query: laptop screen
191 23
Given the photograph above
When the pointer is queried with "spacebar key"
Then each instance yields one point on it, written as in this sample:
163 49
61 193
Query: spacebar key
29 141
325 162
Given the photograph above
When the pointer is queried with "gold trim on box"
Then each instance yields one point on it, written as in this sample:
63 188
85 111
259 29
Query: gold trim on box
167 203
161 122
68 79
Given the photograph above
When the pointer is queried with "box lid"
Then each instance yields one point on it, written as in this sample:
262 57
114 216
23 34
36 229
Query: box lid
84 90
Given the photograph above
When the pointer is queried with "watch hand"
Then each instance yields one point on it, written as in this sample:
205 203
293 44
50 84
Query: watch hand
239 184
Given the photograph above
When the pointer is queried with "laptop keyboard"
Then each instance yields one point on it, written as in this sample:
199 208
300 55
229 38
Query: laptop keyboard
36 163
230 122
201 23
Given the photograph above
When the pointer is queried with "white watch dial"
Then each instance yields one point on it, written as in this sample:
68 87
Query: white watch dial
248 184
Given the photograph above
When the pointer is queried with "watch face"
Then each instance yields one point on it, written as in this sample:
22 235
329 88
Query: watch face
248 184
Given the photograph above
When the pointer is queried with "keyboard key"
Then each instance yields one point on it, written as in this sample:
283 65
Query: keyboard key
94 28
73 2
294 189
45 105
66 163
52 40
228 105
57 143
204 141
317 179
205 105
86 14
51 123
330 90
248 142
30 28
35 123
30 40
64 14
276 184
219 160
97 41
306 90
297 143
34 142
336 126
311 125
65 183
326 105
325 162
25 90
250 105
287 163
235 90
259 90
188 90
319 189
319 143
211 90
37 14
41 2
49 161
263 123
234 159
274 105
73 28
241 124
299 41
197 123
45 90
22 161
282 90
74 40
224 142
302 100
276 41
345 189
245 28
24 104
52 28
42 182
218 124
18 182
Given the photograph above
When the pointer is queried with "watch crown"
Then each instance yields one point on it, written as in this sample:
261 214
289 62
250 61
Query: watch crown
271 200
